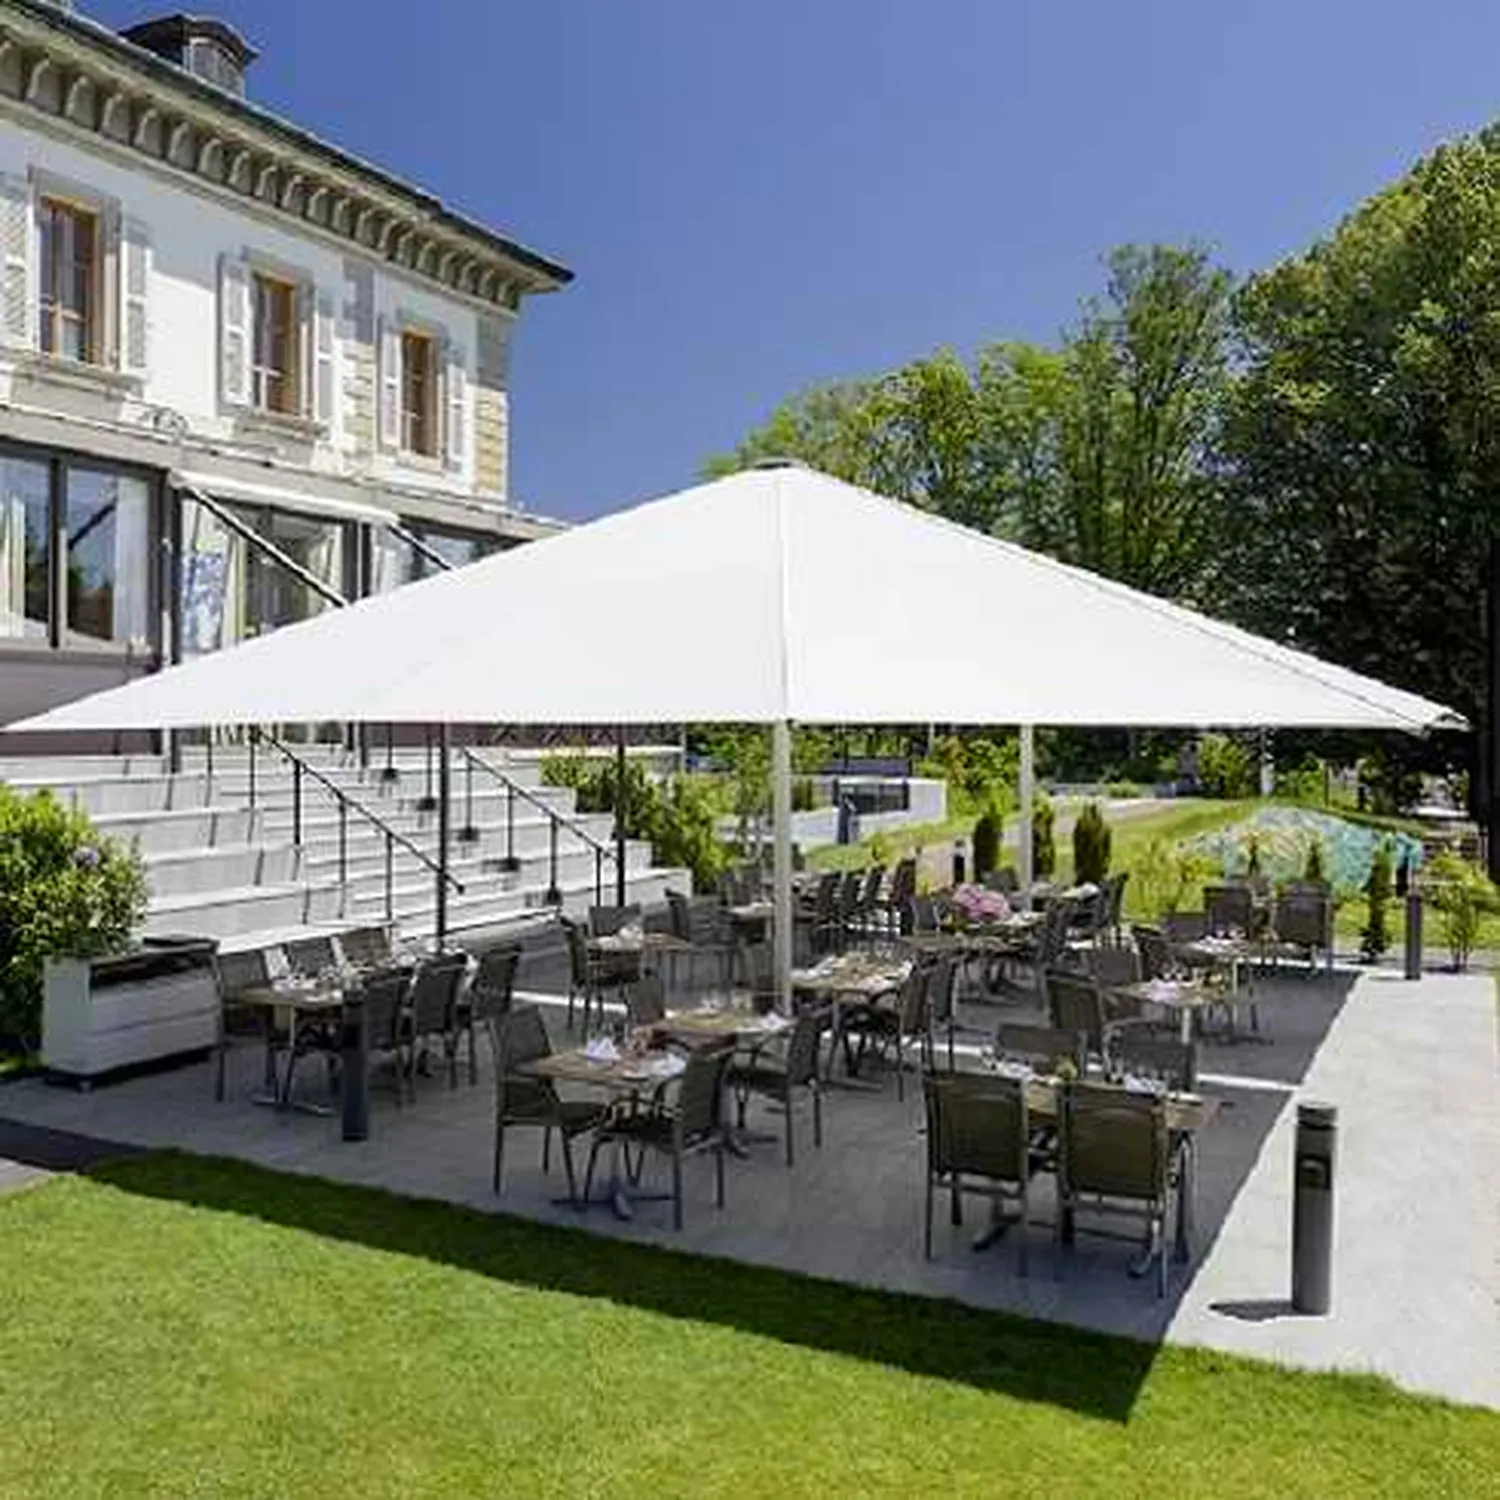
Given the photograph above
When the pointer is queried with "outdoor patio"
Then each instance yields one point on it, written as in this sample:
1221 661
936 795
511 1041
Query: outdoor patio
1411 1067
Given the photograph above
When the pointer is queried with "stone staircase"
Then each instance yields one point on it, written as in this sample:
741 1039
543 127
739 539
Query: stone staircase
224 859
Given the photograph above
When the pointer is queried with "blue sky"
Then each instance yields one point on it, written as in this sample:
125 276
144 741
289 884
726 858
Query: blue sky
760 196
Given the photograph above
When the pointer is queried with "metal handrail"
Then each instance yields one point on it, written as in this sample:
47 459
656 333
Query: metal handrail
417 545
468 833
301 768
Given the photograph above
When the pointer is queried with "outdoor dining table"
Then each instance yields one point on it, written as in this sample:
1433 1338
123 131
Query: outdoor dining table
646 948
1188 1115
1185 998
850 983
290 1004
1232 957
623 1075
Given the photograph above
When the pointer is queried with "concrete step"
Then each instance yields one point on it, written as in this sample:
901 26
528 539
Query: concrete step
182 872
180 829
234 909
109 794
78 767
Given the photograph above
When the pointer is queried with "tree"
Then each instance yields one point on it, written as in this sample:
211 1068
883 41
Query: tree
1363 443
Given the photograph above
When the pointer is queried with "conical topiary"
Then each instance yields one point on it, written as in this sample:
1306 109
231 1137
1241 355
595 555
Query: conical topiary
1091 846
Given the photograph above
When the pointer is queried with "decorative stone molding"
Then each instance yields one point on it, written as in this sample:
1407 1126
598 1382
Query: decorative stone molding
88 89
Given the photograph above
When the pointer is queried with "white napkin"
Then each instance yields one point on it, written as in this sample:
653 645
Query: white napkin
602 1049
1163 989
631 932
1009 1067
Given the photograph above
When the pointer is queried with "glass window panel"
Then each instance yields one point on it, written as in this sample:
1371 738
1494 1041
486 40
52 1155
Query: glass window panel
108 579
212 582
25 549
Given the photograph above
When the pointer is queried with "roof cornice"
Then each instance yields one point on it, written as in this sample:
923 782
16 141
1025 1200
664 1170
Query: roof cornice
70 69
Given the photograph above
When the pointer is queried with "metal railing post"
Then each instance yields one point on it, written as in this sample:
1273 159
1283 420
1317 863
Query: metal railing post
468 834
390 913
208 742
389 774
254 740
427 801
343 842
512 864
297 803
444 808
598 877
554 891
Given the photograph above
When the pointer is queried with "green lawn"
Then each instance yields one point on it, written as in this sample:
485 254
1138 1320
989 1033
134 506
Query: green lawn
183 1326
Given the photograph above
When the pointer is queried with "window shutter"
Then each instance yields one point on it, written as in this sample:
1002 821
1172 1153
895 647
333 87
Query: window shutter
388 406
234 332
456 392
135 278
325 386
18 315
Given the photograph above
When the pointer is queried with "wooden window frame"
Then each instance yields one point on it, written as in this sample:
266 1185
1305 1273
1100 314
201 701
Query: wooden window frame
52 313
290 404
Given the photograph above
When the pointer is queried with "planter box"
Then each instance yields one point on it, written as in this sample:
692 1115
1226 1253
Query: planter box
101 1014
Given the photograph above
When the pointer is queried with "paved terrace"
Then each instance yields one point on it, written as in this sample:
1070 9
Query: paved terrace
1412 1068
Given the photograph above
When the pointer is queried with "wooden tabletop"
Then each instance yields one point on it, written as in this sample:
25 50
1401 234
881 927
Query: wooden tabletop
1186 1113
615 942
857 978
623 1075
310 999
737 1022
1185 994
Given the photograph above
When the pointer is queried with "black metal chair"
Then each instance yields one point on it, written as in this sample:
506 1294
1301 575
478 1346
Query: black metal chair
488 996
1040 1048
365 947
978 1141
431 1010
581 982
777 1078
309 957
646 1001
382 995
1170 1061
692 1123
524 1100
236 973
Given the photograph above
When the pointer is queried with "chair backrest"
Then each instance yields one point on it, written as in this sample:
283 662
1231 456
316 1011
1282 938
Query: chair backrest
495 981
849 889
365 947
1074 1004
1302 918
699 1107
242 971
382 992
1003 879
312 956
826 897
1039 1047
1171 1061
434 992
802 1048
1229 908
977 1125
1185 926
1054 934
924 914
903 881
681 914
578 953
1110 966
1113 1143
1151 943
520 1037
1115 886
913 999
646 1000
605 921
870 892
940 976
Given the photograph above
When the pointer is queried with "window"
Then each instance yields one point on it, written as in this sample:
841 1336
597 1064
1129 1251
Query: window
419 384
69 273
107 519
274 345
25 549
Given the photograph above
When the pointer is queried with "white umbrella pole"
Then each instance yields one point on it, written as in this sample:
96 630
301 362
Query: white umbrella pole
781 814
1027 794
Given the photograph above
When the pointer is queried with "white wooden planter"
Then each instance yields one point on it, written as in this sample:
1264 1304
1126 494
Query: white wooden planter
108 1013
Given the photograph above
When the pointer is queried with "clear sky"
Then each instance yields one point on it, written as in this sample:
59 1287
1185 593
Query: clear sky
758 195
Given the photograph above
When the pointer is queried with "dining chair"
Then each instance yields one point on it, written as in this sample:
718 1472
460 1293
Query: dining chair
431 1011
581 980
522 1100
978 1142
1076 1004
1113 1159
776 1072
308 957
645 1001
236 973
382 995
365 947
490 993
1230 910
1169 1060
1041 1048
690 1123
606 921
942 1006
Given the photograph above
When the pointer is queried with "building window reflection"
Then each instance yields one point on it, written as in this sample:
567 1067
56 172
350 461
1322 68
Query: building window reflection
25 550
106 521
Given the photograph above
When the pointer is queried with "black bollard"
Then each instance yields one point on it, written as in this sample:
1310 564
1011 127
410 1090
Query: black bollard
1312 1208
1413 933
355 1083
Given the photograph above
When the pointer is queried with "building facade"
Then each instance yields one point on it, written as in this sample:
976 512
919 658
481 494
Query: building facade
244 376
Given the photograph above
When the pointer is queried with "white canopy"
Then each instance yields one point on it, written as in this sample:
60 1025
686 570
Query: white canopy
776 594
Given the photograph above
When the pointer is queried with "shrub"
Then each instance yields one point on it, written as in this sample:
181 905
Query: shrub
65 891
1167 877
986 843
1225 767
804 794
1254 851
1121 790
882 849
1043 845
1315 868
1376 938
1462 894
1091 845
980 772
1303 783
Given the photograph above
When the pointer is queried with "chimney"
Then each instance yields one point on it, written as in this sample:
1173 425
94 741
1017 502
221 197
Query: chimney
208 49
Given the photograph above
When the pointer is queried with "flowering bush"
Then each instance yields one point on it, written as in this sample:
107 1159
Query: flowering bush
64 891
974 905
